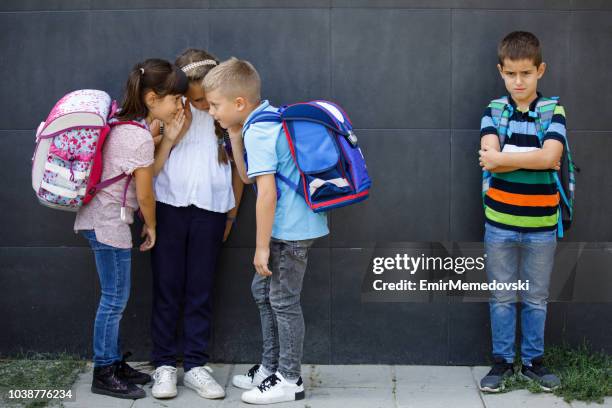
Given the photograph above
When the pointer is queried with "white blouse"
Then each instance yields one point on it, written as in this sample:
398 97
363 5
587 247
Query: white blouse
192 175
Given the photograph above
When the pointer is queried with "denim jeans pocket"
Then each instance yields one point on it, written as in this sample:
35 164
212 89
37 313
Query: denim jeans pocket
299 252
299 249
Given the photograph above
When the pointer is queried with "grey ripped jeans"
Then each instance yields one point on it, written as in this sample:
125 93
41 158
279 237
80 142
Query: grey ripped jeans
278 299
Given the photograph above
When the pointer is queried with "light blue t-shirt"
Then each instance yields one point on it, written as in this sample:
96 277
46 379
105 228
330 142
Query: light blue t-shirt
268 153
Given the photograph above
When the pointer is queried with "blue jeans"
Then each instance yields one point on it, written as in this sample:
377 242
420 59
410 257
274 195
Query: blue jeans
113 265
513 256
278 300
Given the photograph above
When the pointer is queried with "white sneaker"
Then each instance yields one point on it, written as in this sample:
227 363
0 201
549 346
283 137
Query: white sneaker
275 389
252 379
165 382
200 380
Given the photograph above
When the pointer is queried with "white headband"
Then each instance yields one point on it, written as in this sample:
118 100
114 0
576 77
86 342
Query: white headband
193 65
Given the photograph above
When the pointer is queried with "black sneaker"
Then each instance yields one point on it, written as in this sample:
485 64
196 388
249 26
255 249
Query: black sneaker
494 380
127 373
107 382
540 374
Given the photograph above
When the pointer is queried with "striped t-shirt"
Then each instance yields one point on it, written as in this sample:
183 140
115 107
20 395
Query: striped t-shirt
524 200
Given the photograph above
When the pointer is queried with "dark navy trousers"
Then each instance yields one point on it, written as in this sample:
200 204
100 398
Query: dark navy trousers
184 260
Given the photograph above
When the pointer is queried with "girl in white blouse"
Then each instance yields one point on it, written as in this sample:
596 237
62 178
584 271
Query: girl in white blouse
198 193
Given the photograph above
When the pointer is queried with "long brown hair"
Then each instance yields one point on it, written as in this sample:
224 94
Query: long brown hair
196 74
156 75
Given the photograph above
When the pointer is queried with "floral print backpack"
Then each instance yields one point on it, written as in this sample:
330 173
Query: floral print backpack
67 161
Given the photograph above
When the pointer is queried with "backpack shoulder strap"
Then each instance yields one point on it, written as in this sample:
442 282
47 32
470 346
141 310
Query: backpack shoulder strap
545 109
262 116
501 110
544 112
498 106
103 184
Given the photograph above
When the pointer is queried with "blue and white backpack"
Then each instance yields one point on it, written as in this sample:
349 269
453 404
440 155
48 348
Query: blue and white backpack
501 112
332 168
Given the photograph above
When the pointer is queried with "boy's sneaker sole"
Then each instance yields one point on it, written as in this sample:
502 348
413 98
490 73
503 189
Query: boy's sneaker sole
300 395
491 390
102 391
165 395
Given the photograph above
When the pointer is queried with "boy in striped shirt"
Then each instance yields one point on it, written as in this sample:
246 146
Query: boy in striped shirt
521 212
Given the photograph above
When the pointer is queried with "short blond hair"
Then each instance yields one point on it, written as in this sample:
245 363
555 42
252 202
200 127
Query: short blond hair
234 78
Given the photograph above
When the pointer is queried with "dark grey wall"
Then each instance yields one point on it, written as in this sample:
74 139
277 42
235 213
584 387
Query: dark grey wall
414 76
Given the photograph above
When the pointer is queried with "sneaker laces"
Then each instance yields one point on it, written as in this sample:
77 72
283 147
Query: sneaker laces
252 371
268 383
202 374
163 374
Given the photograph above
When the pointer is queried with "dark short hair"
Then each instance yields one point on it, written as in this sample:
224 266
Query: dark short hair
519 45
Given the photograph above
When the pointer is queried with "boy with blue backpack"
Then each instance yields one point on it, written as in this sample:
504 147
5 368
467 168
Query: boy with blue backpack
304 160
528 185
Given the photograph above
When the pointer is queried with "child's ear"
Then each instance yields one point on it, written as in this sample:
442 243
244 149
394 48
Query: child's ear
150 98
541 69
500 69
240 103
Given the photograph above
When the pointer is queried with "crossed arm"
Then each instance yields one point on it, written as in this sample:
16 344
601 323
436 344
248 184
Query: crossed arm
491 159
